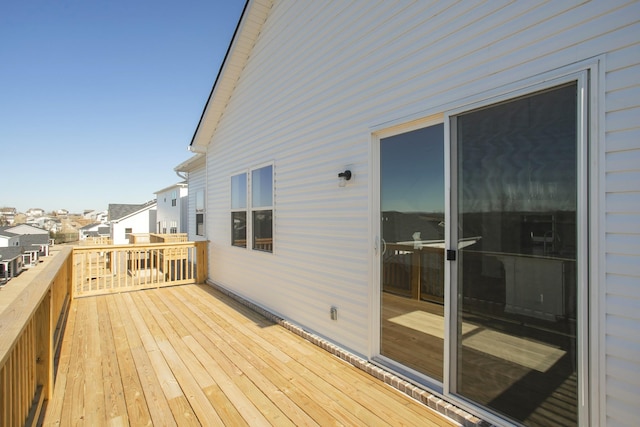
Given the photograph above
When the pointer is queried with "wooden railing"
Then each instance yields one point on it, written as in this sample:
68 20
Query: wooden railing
31 327
168 238
30 332
120 268
96 240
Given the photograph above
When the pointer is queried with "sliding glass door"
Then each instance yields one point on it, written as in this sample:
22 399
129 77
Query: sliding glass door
517 198
504 247
412 230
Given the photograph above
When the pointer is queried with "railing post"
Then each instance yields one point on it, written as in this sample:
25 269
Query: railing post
44 346
201 262
71 280
416 273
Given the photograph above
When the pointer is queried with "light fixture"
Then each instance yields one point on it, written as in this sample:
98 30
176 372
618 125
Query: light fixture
344 177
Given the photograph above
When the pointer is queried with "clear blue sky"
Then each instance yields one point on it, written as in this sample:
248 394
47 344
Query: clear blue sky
99 99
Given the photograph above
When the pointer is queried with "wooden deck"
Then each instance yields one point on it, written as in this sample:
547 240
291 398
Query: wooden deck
189 355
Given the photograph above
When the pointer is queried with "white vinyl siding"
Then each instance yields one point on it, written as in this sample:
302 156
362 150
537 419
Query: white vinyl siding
322 75
621 289
196 183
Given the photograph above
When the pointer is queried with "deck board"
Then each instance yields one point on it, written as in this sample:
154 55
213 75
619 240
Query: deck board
190 355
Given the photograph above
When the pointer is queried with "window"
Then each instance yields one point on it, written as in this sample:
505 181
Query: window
200 213
239 210
173 229
174 198
259 184
262 208
127 232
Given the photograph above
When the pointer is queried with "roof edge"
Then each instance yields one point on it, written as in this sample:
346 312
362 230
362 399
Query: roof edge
220 72
249 27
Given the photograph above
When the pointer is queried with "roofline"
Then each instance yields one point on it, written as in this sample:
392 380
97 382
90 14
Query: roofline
191 163
220 71
147 206
181 184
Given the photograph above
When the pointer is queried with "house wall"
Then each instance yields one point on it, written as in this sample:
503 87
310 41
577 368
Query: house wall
322 76
166 213
141 222
196 183
6 241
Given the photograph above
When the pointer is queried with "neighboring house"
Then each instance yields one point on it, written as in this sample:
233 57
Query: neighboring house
35 212
11 260
8 215
97 216
450 191
172 208
33 240
126 219
97 229
21 247
8 239
194 170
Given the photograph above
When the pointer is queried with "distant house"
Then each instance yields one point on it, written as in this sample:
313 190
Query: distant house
8 215
97 229
448 190
21 247
35 212
97 216
8 239
127 219
31 239
10 263
172 205
194 171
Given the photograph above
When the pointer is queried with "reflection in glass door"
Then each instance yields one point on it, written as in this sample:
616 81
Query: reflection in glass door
412 259
517 198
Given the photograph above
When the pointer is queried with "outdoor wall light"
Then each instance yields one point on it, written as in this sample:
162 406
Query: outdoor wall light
344 177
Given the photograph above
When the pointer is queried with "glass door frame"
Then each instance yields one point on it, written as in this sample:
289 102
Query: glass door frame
589 211
450 385
378 248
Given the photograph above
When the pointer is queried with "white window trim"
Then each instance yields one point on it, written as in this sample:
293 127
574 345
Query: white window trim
249 209
246 173
200 211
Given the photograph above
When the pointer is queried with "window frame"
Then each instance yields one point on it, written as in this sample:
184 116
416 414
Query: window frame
251 208
241 209
254 209
200 210
585 245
